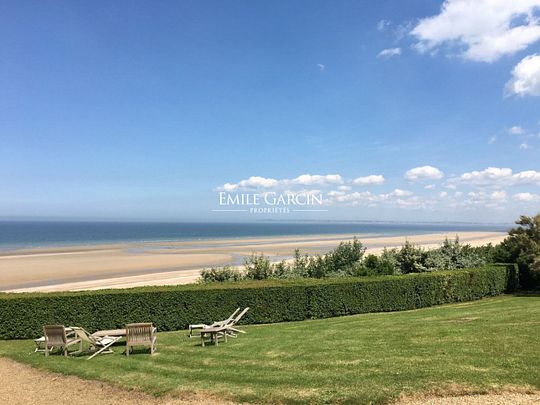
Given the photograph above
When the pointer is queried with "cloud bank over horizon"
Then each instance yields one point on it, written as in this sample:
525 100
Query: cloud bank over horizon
492 188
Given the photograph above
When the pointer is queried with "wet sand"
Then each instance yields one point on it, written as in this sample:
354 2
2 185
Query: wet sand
167 263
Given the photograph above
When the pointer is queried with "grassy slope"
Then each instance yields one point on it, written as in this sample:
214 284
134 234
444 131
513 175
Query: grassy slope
373 357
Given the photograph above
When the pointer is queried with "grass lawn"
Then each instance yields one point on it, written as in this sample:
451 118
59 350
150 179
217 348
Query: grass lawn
482 345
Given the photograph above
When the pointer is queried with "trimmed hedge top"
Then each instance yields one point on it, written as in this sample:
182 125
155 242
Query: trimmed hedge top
22 315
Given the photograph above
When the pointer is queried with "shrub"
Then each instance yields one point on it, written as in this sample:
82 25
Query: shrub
388 262
348 260
220 274
299 266
384 264
453 255
371 264
174 307
258 267
522 246
411 258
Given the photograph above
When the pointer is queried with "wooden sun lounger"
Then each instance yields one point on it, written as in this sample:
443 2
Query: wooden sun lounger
213 325
110 332
215 332
222 329
99 344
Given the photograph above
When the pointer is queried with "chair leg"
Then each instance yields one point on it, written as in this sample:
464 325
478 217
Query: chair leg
65 351
104 349
46 350
127 350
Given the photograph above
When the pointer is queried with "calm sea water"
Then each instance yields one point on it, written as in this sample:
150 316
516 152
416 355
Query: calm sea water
16 235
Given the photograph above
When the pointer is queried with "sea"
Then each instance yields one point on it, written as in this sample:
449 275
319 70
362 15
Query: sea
16 235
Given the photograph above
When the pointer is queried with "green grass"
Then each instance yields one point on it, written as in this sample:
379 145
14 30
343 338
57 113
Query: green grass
483 345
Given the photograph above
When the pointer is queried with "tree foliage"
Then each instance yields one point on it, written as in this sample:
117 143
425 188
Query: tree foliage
522 246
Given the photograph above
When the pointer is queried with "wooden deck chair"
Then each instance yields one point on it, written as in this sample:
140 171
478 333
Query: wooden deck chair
230 328
55 336
141 334
217 324
98 344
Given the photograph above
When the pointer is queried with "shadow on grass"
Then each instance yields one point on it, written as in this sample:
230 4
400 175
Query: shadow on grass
531 293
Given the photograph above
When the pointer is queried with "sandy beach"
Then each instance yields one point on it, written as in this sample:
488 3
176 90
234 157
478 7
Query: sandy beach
140 264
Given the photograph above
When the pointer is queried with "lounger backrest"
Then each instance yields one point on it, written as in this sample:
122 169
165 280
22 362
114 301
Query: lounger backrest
83 335
230 318
55 335
239 316
139 333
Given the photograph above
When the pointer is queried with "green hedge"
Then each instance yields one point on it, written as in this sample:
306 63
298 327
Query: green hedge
173 308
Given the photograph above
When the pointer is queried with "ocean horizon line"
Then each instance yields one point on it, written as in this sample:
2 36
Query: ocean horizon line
16 235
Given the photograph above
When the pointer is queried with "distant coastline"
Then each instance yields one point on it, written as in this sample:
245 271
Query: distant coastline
16 235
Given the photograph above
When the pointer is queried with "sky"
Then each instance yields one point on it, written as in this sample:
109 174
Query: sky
130 110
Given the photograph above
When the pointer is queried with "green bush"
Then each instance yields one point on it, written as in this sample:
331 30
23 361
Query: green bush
258 267
412 259
453 255
174 307
220 274
522 246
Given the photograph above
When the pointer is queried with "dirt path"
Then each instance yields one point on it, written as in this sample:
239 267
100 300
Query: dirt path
519 397
24 385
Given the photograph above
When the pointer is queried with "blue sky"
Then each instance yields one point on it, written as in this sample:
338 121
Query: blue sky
143 110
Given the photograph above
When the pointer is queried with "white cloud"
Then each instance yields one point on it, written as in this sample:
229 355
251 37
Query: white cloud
516 130
498 195
494 176
526 197
424 173
257 181
413 202
400 193
335 193
443 194
525 79
488 176
397 197
383 25
364 196
480 30
312 179
492 140
388 53
344 188
527 177
321 67
487 200
524 146
229 187
369 180
402 30
430 186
